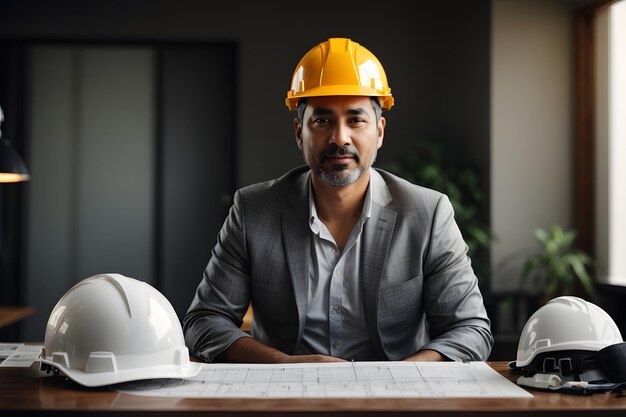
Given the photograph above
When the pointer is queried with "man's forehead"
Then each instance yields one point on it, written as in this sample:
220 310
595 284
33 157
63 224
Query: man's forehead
340 104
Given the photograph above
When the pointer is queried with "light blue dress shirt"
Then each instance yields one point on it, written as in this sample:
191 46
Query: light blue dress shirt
335 323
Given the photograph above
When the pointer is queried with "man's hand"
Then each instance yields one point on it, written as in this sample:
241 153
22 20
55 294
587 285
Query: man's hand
249 350
313 358
425 356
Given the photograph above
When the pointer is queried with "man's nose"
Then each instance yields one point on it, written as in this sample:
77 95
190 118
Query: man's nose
340 135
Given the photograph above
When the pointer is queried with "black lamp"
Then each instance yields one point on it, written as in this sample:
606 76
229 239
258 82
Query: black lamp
12 167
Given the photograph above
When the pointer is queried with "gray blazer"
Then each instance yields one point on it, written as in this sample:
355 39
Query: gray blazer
418 287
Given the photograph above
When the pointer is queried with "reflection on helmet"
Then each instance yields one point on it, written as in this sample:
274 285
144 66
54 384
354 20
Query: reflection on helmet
339 67
110 328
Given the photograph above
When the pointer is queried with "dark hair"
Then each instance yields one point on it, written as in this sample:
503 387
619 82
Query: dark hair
375 104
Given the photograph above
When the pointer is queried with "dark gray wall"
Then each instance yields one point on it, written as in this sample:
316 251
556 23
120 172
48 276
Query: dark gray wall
436 55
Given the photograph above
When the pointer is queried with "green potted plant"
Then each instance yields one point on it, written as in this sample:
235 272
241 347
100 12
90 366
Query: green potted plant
558 268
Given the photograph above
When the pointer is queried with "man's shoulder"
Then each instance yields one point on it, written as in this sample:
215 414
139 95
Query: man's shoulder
406 192
284 186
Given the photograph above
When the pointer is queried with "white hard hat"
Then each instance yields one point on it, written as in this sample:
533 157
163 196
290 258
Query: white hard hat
109 329
563 324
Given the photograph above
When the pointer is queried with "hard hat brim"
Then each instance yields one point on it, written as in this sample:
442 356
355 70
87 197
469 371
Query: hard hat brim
100 379
386 100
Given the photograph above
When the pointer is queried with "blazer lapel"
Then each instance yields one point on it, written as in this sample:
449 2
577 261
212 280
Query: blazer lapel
297 242
377 239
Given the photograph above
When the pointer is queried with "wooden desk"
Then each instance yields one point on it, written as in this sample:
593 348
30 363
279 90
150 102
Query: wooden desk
27 391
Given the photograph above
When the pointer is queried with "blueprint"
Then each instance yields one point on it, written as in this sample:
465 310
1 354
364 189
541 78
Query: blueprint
18 355
334 380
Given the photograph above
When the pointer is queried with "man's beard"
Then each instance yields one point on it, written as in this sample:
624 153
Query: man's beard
339 175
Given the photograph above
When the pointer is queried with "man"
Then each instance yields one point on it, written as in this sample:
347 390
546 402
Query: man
340 261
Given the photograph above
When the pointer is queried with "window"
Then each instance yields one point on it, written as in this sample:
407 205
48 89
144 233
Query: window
601 138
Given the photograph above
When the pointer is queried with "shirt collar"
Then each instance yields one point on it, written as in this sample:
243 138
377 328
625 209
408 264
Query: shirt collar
314 221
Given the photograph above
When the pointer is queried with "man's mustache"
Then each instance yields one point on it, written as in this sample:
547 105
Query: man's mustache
334 150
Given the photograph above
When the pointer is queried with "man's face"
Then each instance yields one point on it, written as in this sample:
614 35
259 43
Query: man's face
339 137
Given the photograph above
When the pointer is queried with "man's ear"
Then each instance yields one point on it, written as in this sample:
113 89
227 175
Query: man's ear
381 132
297 130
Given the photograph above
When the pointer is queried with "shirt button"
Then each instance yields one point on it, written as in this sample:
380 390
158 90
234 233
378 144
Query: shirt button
336 345
333 250
336 307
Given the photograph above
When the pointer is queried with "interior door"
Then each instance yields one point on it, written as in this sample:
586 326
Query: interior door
131 157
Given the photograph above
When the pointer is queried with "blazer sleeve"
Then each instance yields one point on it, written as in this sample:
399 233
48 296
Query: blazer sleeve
221 300
455 311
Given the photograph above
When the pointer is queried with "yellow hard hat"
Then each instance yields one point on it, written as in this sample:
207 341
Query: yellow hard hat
339 67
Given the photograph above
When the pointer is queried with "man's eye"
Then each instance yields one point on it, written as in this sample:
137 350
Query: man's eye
321 120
